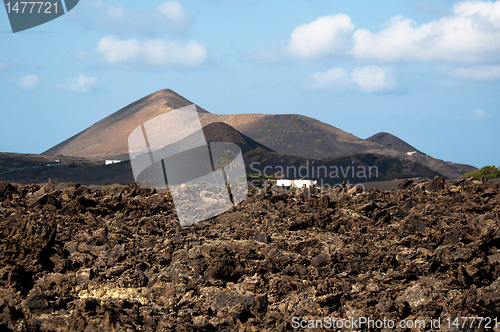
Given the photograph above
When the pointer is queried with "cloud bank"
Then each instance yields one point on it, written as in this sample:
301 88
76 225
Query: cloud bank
155 52
364 79
328 35
168 16
468 37
79 84
478 73
27 82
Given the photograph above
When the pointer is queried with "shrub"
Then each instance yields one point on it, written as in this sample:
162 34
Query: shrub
320 141
261 130
114 169
88 167
258 151
270 130
278 125
268 125
489 172
72 165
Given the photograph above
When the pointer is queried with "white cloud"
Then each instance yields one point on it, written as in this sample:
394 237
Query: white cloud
156 52
168 16
471 34
27 82
365 79
478 73
328 35
115 50
479 114
174 12
79 84
336 79
374 79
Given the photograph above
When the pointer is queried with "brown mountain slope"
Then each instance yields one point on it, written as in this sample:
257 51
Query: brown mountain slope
295 134
284 133
108 137
308 137
392 142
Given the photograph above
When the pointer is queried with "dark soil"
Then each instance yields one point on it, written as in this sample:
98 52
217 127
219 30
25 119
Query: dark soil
117 259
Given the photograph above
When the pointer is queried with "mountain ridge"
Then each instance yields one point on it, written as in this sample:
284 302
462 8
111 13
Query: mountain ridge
110 133
393 142
292 134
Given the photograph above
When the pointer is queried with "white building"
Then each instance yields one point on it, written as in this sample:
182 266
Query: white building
296 183
115 161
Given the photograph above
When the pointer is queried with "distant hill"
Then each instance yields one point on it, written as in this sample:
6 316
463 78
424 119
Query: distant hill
290 134
295 134
392 142
307 137
109 136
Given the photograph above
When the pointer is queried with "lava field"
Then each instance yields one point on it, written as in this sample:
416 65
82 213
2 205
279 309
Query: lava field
116 259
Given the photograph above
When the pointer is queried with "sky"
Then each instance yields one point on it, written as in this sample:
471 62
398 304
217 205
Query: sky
427 71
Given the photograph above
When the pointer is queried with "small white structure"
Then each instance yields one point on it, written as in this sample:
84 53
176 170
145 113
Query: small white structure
411 153
296 183
284 183
115 161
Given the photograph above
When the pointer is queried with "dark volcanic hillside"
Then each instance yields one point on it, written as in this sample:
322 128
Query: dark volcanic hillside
221 132
392 142
295 134
307 137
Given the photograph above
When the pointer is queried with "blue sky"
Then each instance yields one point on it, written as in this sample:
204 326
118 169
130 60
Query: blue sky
426 71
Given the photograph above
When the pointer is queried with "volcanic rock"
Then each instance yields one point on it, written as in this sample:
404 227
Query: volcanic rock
117 259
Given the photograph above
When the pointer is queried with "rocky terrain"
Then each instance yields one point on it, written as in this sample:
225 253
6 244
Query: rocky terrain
116 259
